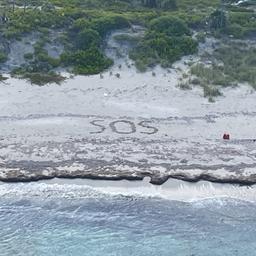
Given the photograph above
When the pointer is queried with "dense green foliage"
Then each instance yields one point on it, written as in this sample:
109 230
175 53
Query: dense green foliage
121 4
21 22
85 53
165 42
162 4
86 23
87 38
218 20
170 26
102 25
90 61
42 78
3 57
237 22
242 24
83 26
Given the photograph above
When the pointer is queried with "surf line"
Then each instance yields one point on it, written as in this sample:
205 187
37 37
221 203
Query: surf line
130 127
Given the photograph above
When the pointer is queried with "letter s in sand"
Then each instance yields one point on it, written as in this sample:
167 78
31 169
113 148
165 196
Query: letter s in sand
103 128
145 125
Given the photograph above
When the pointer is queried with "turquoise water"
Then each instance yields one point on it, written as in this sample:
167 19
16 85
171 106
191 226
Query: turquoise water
50 221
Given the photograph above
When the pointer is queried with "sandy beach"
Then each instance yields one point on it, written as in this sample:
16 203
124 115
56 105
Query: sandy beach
129 127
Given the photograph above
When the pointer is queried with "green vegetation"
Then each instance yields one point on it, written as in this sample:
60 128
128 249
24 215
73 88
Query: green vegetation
82 26
218 20
184 86
236 65
210 92
239 64
233 21
231 64
42 78
167 40
90 61
210 75
3 57
3 78
242 24
28 56
124 38
85 53
170 26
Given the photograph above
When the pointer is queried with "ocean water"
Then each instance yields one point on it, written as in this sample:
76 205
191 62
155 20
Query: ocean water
81 219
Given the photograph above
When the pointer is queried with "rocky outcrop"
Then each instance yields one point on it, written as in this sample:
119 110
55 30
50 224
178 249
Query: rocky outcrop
27 171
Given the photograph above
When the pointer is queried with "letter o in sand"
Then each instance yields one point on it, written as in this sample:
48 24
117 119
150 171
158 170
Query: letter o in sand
132 127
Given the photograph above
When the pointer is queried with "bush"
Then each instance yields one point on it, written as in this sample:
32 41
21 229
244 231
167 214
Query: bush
43 78
170 26
3 57
211 75
239 63
184 86
28 56
211 92
218 20
240 24
87 62
162 4
87 38
106 24
156 48
124 38
3 78
102 25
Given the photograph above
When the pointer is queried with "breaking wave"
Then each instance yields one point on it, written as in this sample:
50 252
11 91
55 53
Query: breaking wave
173 190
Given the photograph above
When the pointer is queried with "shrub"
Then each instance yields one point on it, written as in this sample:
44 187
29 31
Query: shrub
43 78
3 78
210 75
218 20
163 4
211 92
184 86
170 26
90 61
103 24
239 63
28 56
3 57
156 48
87 38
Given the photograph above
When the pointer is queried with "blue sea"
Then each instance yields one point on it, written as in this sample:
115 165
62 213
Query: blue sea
65 219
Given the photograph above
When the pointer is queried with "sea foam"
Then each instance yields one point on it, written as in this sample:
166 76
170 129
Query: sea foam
171 190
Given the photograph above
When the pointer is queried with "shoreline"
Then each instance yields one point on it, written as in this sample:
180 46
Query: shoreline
172 190
135 177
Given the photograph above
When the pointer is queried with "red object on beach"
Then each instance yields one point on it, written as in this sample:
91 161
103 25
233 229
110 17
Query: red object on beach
226 136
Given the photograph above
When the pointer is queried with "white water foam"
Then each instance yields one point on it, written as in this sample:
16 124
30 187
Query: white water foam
171 190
